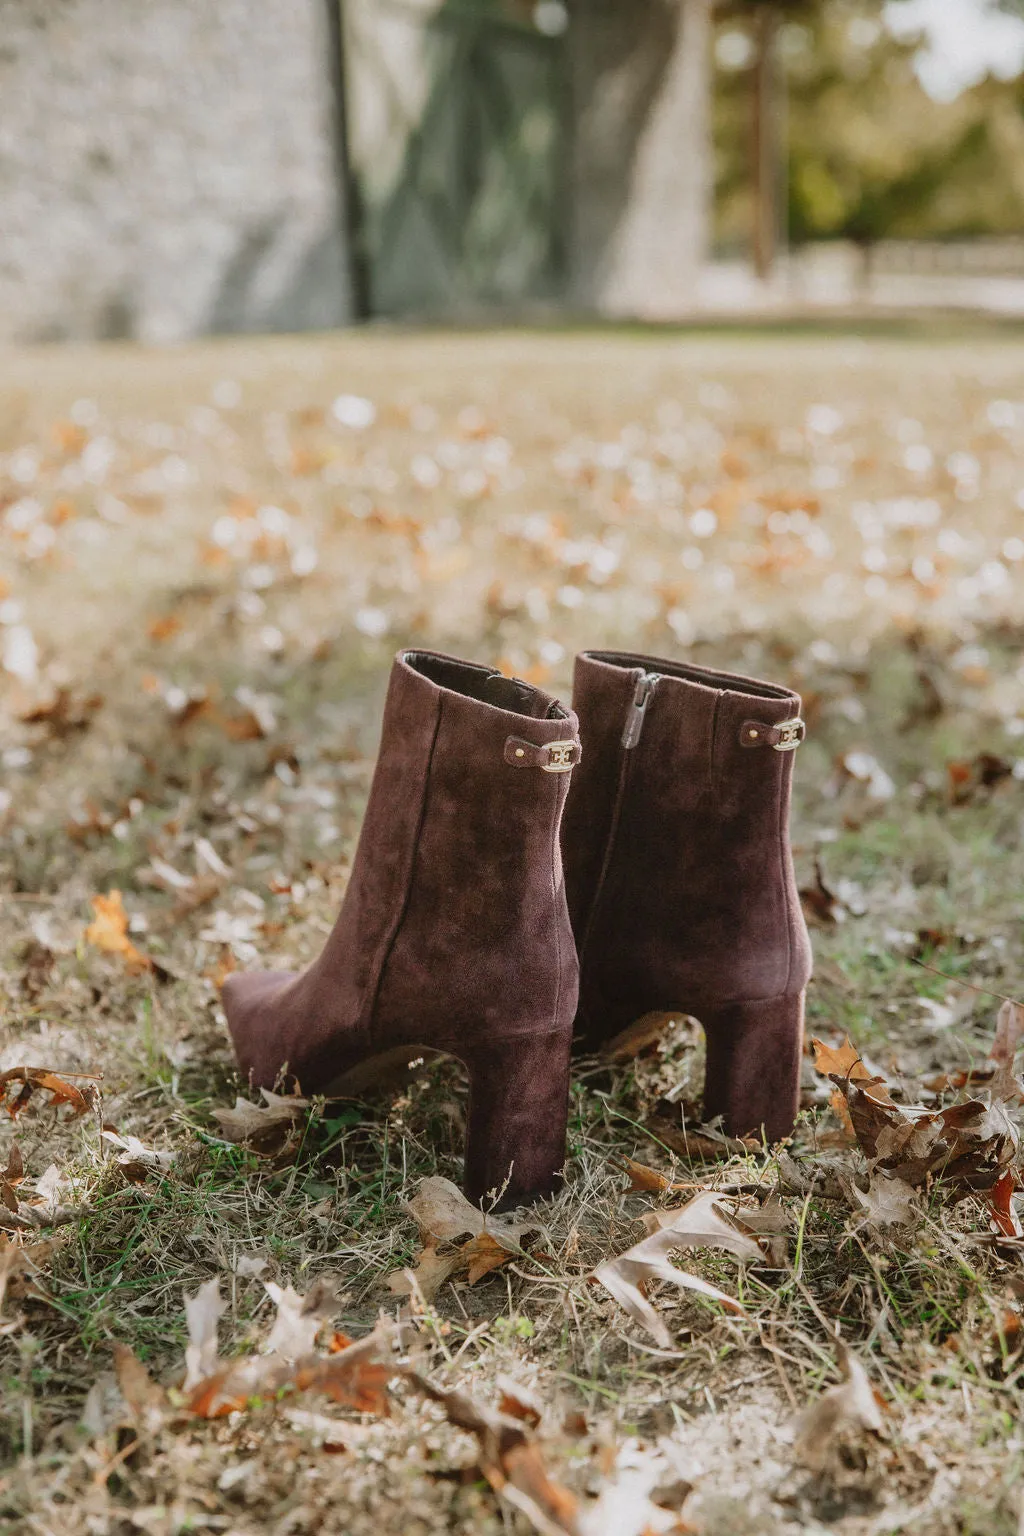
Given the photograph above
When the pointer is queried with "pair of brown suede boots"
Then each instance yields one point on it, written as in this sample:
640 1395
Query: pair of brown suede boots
459 934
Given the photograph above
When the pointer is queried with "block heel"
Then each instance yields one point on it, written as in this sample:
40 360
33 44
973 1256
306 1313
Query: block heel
753 1065
518 1111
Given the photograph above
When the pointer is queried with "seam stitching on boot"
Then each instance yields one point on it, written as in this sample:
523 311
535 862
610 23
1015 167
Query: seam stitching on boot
713 746
784 872
392 939
555 818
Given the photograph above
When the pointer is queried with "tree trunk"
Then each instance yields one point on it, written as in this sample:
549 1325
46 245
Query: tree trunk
642 160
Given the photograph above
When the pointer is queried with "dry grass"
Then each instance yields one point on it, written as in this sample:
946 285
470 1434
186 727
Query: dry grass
513 500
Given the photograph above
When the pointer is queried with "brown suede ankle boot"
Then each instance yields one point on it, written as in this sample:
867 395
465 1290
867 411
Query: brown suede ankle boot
454 934
679 872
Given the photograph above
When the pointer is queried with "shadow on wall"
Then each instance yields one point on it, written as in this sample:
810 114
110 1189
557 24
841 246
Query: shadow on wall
310 297
619 56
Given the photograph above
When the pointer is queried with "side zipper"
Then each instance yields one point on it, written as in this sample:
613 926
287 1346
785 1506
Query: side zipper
637 713
634 724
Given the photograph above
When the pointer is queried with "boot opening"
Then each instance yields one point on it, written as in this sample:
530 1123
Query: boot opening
487 685
729 681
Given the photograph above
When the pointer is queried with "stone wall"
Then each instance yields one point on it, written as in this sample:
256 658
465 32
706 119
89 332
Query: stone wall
166 169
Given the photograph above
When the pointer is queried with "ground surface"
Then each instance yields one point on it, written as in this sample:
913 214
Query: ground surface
206 561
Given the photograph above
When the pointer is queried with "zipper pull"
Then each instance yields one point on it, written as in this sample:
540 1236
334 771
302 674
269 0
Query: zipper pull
645 686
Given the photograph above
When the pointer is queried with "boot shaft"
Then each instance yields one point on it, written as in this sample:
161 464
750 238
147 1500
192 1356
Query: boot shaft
483 926
679 874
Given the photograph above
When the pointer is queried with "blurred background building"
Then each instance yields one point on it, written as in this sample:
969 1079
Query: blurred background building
182 168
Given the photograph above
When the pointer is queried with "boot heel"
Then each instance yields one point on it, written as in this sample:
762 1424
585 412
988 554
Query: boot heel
753 1065
518 1110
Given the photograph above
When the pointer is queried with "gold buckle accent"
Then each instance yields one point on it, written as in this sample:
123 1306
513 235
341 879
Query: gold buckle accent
560 757
791 734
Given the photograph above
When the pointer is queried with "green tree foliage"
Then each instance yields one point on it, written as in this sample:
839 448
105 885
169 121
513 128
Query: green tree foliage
870 155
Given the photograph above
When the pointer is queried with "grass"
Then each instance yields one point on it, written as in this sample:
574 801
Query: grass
548 450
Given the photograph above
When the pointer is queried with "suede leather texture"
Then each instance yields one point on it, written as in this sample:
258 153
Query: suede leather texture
679 873
454 933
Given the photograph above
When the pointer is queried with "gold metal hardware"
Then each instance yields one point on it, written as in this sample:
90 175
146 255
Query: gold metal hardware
791 734
560 756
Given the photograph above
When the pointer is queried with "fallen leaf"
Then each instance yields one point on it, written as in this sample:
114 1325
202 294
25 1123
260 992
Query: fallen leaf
355 1377
842 1061
261 1124
476 1258
482 1254
134 1158
967 1143
510 1459
699 1224
1009 1030
518 1402
146 1400
637 1038
298 1318
431 1271
443 1213
699 1146
202 1312
999 1200
646 1180
821 904
33 1079
108 931
888 1202
853 1405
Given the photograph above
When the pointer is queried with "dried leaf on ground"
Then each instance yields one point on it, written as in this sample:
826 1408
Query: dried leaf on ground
887 1202
1009 1031
853 1405
12 1175
841 1061
202 1313
134 1158
299 1318
699 1146
443 1213
647 1180
642 1493
640 1036
12 1262
147 1402
426 1279
355 1377
510 1459
999 1200
996 1074
702 1223
770 1224
968 1143
108 931
264 1126
34 1079
820 903
476 1258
